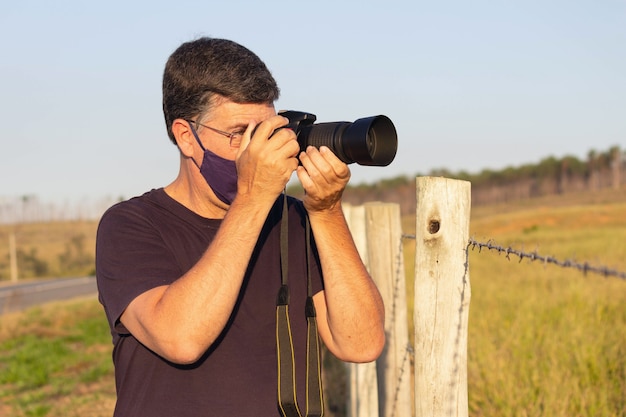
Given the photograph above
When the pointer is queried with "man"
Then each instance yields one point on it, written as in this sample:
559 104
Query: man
188 274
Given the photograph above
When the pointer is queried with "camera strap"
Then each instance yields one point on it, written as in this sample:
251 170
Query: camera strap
287 397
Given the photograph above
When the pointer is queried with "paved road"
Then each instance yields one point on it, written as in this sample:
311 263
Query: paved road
16 297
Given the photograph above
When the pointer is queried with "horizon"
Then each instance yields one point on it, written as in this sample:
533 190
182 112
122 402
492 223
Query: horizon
21 208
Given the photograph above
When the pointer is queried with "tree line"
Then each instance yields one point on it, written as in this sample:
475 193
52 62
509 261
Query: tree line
551 176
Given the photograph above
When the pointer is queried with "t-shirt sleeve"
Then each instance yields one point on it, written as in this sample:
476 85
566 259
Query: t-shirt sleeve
131 258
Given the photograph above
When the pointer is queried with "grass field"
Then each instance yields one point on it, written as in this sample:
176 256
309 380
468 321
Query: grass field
543 340
546 340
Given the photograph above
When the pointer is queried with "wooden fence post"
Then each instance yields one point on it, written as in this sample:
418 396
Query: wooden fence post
386 266
442 296
362 378
13 257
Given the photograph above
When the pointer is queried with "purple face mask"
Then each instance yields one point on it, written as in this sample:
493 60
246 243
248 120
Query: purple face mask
218 172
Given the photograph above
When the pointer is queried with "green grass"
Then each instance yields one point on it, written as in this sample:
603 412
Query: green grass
56 361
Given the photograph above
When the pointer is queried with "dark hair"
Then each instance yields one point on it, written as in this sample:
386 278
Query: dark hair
199 71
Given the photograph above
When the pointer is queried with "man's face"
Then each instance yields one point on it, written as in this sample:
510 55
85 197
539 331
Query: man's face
231 117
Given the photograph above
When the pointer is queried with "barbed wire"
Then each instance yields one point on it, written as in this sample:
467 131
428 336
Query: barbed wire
409 355
584 267
407 359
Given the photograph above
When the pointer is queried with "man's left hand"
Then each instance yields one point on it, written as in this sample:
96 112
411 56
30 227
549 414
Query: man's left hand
323 177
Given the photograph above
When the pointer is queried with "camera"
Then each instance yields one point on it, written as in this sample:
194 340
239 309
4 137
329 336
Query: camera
369 141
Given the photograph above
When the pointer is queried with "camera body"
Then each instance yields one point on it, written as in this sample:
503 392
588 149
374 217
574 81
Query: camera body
369 141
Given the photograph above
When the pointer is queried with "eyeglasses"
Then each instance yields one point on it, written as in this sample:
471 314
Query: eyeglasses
234 137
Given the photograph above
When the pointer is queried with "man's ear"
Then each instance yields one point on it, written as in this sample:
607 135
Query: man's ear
184 136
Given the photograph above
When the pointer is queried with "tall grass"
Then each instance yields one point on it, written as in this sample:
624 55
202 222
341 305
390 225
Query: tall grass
545 340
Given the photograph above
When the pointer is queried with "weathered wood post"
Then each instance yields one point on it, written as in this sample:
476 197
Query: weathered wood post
13 257
363 381
383 227
442 296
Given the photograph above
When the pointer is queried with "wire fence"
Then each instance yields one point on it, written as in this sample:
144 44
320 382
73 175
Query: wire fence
585 267
434 363
510 253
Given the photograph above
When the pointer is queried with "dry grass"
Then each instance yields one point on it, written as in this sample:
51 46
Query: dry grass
49 241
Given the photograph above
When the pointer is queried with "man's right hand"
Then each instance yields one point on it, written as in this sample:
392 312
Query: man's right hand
266 159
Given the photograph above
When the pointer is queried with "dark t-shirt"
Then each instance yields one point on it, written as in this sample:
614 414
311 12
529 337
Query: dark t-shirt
152 240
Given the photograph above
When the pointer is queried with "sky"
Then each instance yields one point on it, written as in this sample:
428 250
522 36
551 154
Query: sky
469 85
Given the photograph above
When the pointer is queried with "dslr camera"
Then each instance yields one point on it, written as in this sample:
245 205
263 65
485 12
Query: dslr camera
369 141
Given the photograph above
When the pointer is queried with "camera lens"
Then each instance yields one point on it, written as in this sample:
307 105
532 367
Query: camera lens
369 141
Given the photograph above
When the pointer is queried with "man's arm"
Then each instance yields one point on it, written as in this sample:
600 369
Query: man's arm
180 321
350 309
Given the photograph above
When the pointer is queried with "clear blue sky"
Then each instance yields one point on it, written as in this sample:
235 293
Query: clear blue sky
469 84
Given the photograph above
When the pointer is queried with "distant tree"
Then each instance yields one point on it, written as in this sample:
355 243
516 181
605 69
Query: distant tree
395 182
616 166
